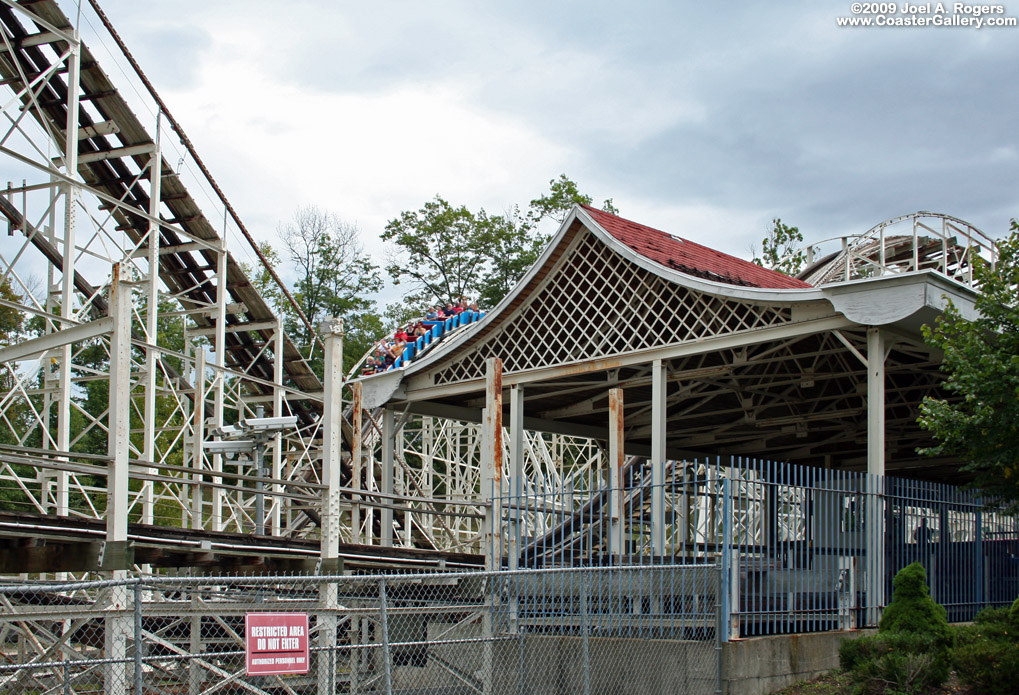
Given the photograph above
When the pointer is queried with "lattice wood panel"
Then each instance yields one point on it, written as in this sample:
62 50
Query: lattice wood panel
599 304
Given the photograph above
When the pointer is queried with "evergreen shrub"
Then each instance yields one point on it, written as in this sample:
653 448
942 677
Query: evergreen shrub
910 653
986 655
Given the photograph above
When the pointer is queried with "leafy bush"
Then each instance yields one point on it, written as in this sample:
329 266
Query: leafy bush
908 663
987 652
910 653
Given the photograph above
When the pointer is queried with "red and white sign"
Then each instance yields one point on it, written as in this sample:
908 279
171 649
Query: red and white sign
276 643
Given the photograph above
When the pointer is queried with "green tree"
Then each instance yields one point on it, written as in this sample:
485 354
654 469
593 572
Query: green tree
445 252
782 249
12 321
562 196
334 275
265 283
979 420
516 245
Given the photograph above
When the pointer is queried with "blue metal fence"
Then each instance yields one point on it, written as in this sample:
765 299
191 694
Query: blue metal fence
801 549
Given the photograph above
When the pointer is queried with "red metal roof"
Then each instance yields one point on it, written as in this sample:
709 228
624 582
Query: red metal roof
691 258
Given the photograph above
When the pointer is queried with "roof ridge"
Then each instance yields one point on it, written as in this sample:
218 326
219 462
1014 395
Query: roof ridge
690 257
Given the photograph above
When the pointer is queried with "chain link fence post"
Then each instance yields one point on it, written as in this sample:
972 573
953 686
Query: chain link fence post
585 632
327 623
721 627
117 625
387 656
195 671
492 603
354 634
139 640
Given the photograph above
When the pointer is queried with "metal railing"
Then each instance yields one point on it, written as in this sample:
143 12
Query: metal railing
802 549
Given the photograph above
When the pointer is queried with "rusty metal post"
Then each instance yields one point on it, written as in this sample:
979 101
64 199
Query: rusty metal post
491 462
491 493
617 448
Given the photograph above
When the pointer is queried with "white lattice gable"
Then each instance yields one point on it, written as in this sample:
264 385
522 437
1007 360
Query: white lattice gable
592 298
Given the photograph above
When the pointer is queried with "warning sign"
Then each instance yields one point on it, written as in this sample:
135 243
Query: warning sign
276 643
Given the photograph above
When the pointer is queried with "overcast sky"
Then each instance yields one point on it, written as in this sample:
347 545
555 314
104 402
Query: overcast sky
703 119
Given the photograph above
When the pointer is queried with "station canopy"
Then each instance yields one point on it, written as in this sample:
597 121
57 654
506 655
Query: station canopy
757 363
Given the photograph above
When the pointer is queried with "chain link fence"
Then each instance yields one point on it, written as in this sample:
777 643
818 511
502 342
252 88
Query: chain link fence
599 630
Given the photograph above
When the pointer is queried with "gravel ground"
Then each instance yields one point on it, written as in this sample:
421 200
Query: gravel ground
837 683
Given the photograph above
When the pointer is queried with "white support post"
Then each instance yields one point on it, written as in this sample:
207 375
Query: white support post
428 469
658 454
151 328
71 193
188 447
118 623
332 439
617 446
120 409
516 451
51 373
516 486
356 407
198 461
876 473
219 346
400 486
388 463
277 411
875 402
491 463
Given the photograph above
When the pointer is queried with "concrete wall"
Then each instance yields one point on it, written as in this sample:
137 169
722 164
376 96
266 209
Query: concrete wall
765 664
555 666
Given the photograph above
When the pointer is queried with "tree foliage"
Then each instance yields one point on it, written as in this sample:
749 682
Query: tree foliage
562 196
782 249
444 252
979 420
334 275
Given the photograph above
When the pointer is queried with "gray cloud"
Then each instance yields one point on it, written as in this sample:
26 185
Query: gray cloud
745 106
